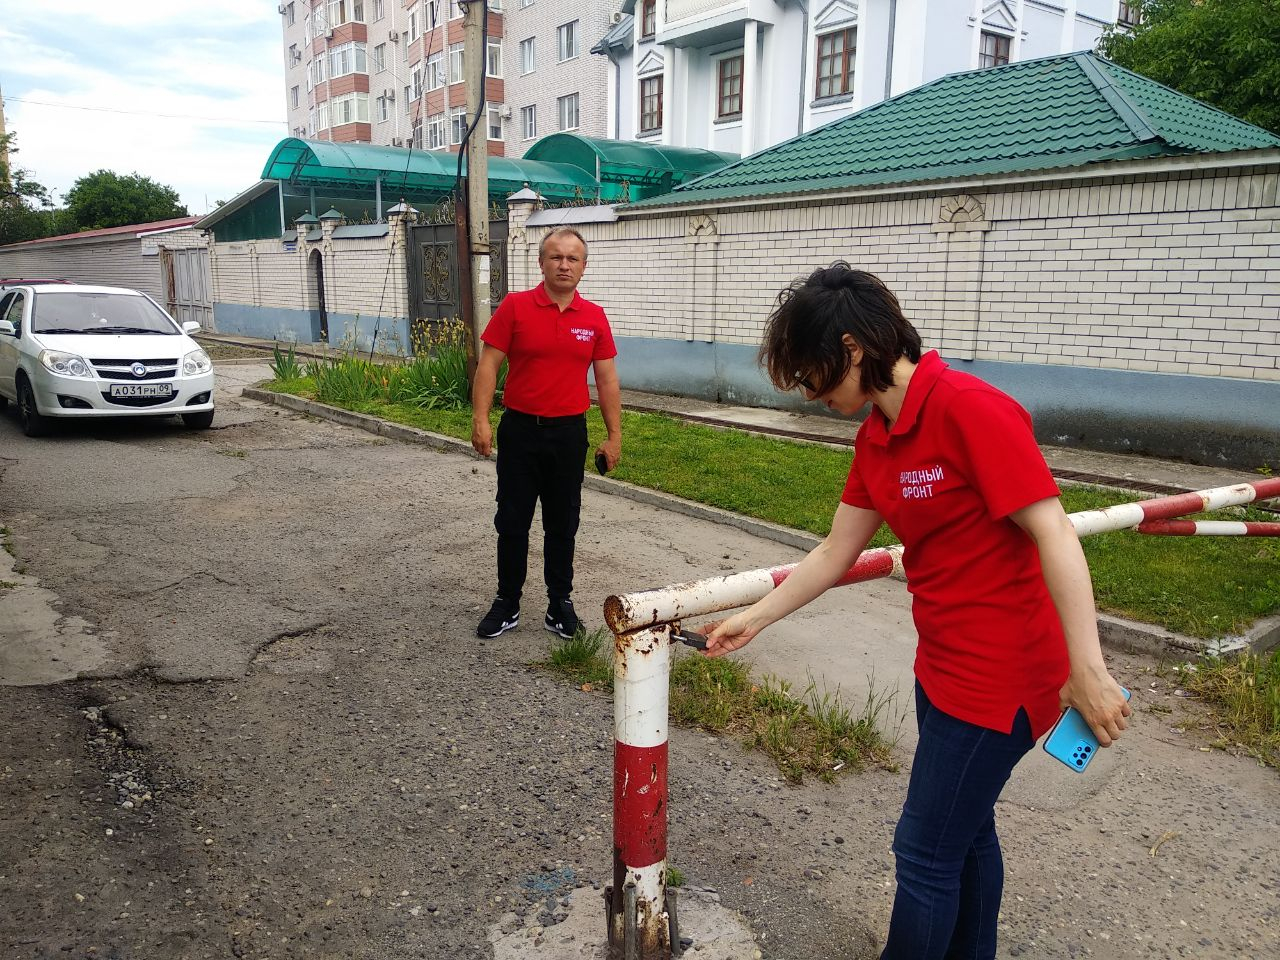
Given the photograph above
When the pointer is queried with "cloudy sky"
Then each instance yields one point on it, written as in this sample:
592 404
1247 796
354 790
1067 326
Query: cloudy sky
188 94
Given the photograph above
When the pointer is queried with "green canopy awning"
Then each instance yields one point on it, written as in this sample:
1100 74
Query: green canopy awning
648 168
360 165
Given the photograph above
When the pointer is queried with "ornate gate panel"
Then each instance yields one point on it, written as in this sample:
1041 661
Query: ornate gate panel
433 274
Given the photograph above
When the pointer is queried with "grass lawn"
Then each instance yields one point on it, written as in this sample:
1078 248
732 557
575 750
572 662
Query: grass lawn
1199 586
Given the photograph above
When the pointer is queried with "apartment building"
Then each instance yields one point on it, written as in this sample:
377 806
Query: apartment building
742 75
387 72
553 83
391 72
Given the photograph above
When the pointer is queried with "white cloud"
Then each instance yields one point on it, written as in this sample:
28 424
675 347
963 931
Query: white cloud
176 90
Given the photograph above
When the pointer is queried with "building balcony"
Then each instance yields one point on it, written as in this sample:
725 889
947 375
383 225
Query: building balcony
700 23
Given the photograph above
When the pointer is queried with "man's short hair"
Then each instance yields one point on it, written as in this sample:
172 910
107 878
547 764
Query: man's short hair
804 335
561 232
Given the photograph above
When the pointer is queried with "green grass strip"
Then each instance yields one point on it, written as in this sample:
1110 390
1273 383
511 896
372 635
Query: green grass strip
1198 586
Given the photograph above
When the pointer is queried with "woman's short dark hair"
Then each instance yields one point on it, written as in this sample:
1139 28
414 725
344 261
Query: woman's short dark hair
803 336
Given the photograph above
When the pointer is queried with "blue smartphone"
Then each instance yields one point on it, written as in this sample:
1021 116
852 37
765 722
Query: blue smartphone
1071 741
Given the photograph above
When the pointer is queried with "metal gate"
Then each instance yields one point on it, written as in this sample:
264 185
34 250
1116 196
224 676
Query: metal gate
187 285
433 273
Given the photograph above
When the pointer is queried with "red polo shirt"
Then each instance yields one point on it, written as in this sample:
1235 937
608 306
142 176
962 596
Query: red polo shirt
548 351
960 458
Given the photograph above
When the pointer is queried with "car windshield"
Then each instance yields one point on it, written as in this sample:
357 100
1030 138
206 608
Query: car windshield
105 313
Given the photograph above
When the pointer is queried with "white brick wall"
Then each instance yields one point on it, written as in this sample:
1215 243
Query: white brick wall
1174 273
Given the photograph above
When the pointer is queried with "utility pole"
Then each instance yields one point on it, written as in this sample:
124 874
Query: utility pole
475 59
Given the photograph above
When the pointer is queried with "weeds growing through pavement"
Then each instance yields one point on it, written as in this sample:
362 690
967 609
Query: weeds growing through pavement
1244 692
813 734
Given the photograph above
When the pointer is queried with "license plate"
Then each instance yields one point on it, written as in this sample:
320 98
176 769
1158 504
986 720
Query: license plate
142 390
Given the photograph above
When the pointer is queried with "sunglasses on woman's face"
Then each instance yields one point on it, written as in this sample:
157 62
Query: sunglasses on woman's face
804 383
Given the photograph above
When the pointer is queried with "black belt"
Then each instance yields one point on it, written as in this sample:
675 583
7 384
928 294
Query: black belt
544 421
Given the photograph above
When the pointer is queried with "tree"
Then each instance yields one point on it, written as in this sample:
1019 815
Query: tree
25 209
105 199
1224 52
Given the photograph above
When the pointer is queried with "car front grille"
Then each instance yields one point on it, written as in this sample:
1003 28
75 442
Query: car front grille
119 369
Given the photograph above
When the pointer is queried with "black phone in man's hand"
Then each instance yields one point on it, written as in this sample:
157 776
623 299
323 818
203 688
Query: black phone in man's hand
602 463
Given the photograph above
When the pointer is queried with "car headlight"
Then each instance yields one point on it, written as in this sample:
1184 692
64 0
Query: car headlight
66 364
195 363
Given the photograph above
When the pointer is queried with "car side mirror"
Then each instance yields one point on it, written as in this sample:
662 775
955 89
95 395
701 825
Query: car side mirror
191 326
7 328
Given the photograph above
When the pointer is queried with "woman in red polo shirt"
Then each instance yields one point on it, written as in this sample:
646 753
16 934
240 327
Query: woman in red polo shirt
1001 594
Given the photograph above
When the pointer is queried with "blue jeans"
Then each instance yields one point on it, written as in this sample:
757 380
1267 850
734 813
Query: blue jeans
950 872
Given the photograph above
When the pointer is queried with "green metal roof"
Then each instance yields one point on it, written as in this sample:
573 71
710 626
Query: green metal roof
1063 111
359 165
648 168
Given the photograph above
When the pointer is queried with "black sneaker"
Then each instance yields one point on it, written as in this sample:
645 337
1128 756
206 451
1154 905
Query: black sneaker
502 616
561 619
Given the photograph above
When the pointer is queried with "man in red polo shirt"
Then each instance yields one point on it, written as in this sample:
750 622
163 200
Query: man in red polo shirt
550 336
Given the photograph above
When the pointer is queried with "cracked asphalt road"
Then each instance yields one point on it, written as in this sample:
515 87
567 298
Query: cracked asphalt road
246 716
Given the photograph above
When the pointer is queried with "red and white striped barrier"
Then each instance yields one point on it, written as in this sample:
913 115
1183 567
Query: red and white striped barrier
638 920
642 624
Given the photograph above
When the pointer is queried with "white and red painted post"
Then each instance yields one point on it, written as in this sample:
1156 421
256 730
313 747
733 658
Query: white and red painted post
643 624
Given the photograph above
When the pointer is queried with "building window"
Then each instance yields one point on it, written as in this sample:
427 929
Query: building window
380 57
351 108
408 99
413 26
294 97
379 9
345 11
315 73
528 56
348 58
455 65
436 132
729 86
1130 14
291 16
525 3
495 121
295 55
383 109
416 75
458 124
651 104
568 37
994 51
567 110
320 117
836 52
493 63
529 121
648 19
435 71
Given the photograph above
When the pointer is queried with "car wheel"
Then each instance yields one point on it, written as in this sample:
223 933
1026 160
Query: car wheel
198 421
34 424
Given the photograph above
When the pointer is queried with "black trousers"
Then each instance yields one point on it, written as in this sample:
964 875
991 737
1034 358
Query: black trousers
538 460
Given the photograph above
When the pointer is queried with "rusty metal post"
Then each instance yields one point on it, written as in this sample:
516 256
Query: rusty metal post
638 923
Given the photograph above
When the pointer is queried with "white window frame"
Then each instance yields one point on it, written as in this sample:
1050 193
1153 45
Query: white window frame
436 131
457 65
493 120
379 10
529 121
493 60
568 41
528 56
383 112
348 58
349 108
562 105
457 125
435 74
415 77
379 58
525 3
290 15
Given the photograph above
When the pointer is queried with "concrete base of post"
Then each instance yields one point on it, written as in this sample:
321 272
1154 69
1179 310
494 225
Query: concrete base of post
712 931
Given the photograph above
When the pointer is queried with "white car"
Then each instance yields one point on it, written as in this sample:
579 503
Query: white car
68 350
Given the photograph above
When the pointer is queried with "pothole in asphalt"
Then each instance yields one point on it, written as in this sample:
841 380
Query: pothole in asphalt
295 653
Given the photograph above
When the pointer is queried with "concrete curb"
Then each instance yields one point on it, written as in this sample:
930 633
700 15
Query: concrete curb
1115 632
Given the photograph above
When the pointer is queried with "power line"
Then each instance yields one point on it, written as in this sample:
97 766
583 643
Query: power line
143 113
